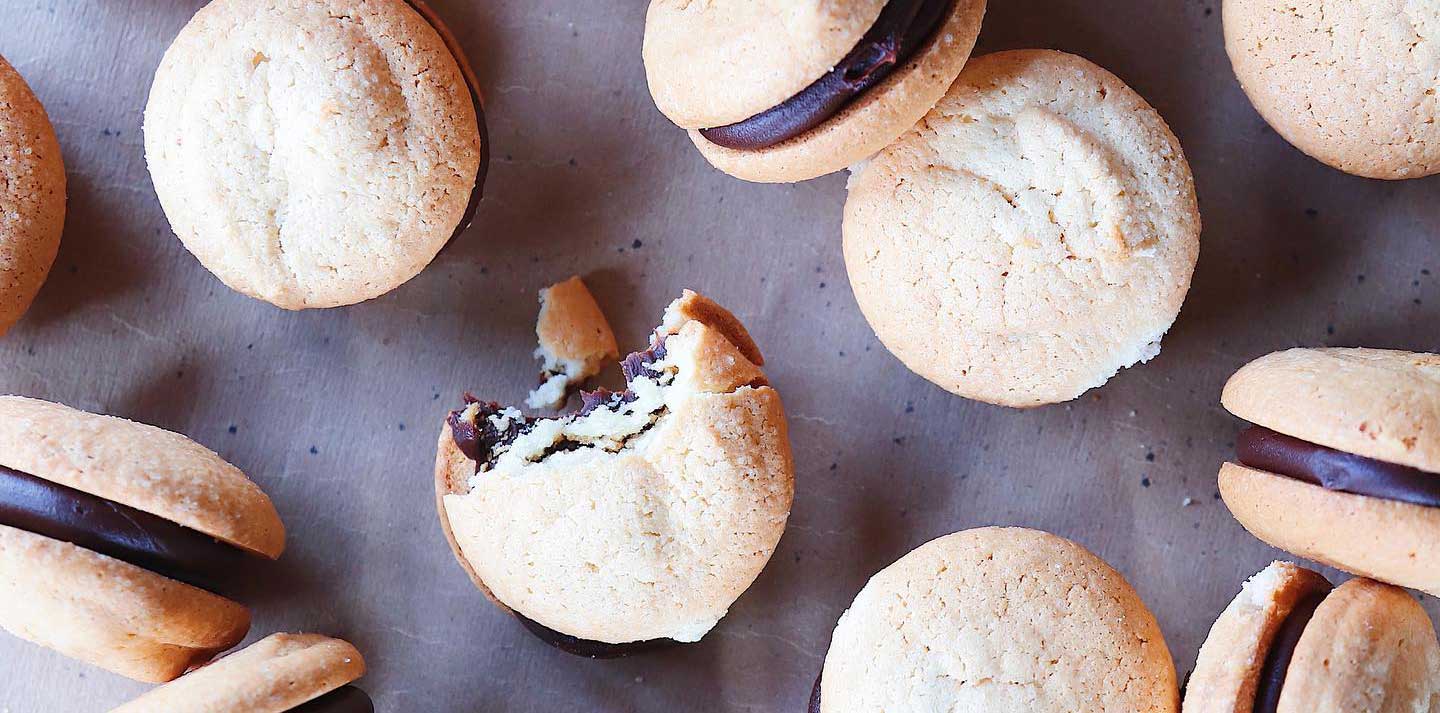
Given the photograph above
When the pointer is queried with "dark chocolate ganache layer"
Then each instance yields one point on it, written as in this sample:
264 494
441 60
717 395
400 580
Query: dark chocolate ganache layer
1282 649
592 649
347 699
901 30
109 528
483 432
1264 449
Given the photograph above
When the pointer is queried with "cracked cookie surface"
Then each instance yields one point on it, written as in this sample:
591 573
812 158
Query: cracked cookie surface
32 195
1352 84
312 153
998 619
1031 236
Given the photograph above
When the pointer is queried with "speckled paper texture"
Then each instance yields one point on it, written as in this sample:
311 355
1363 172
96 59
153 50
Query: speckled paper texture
335 413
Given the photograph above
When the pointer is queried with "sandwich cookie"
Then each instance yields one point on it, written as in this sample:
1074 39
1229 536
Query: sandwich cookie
304 673
1352 84
575 342
1342 464
32 196
110 529
1032 236
999 620
637 521
777 91
315 153
1292 643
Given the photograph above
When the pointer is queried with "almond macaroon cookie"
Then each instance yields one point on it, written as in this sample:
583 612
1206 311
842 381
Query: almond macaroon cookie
110 533
32 196
779 91
637 521
314 153
1003 620
1292 643
1352 84
1032 236
1342 464
306 673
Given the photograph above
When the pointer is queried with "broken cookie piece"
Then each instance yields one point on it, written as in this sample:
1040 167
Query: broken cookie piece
639 519
575 342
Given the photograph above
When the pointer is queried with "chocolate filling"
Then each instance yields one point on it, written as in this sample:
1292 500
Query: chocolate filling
347 699
1282 649
482 440
592 649
815 697
898 33
1264 449
109 528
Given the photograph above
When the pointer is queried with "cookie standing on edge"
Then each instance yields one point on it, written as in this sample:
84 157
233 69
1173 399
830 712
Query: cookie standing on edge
305 673
1292 643
1030 237
32 196
1342 465
108 531
1353 84
1005 620
636 522
314 153
777 91
575 341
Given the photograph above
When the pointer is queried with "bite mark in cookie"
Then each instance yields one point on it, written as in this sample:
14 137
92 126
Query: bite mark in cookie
634 522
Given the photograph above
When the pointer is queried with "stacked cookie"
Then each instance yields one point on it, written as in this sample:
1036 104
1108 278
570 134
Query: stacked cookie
1016 232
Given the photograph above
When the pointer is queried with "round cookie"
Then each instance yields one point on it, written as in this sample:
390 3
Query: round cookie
278 673
998 619
1288 643
1343 464
842 63
32 196
1033 235
109 529
1352 84
638 521
313 153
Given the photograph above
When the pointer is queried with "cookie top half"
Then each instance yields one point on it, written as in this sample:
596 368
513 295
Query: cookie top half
998 619
32 195
716 63
1031 236
1352 84
140 466
1376 403
312 153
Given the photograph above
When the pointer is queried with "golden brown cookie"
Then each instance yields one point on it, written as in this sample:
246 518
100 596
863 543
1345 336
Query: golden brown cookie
299 183
1288 643
110 533
32 195
639 519
273 675
1352 84
779 91
1343 463
1000 620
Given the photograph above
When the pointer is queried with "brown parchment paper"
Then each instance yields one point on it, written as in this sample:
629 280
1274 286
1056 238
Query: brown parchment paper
335 412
